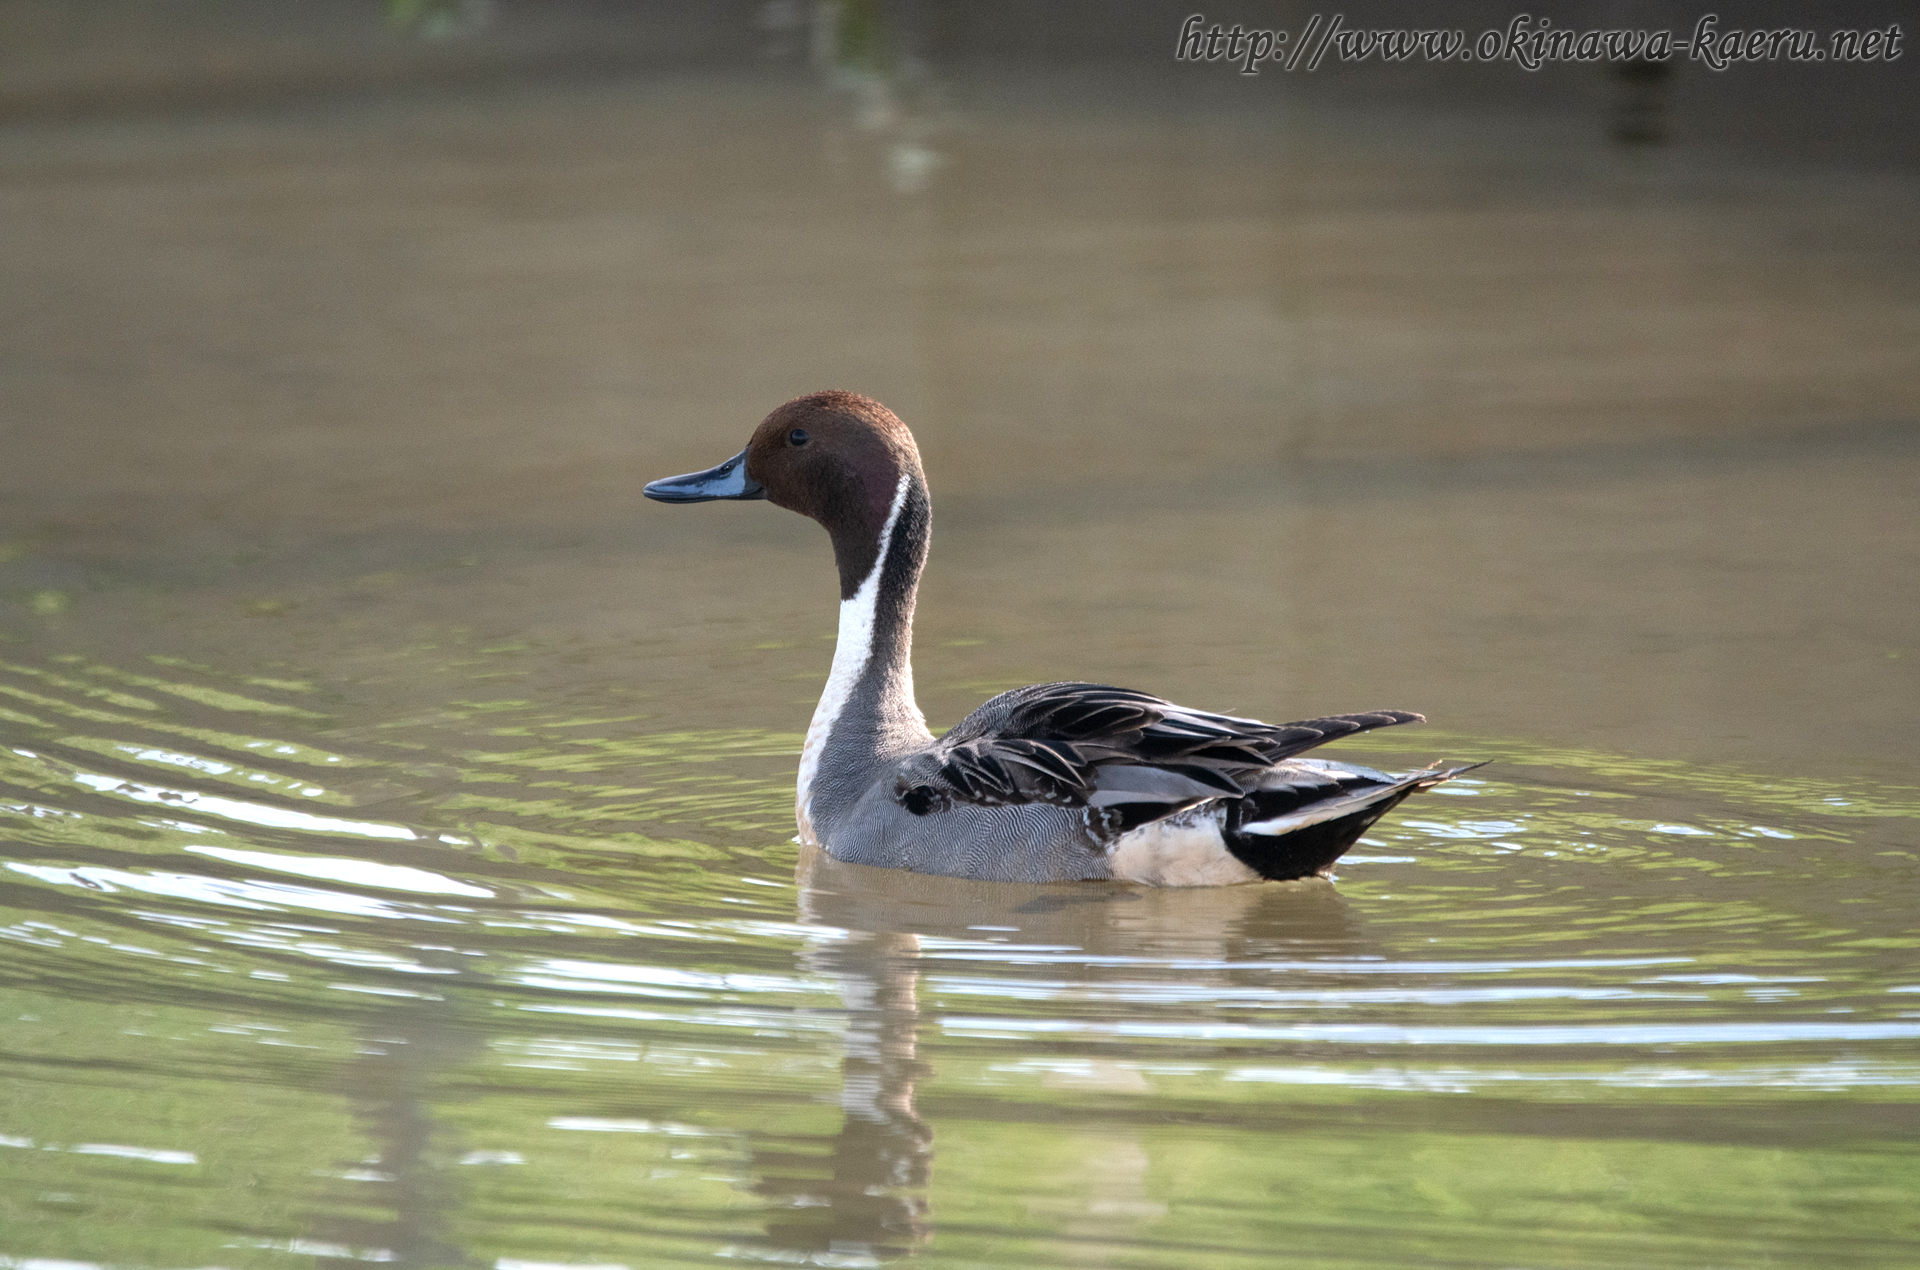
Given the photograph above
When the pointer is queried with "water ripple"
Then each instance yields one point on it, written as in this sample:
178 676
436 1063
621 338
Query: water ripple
581 952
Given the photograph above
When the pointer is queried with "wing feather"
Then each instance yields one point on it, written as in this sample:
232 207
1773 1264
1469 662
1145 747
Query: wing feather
1051 743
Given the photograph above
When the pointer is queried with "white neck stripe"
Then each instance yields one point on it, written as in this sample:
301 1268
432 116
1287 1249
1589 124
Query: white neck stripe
851 652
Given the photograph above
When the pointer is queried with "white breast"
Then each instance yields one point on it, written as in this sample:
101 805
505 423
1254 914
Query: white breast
1185 849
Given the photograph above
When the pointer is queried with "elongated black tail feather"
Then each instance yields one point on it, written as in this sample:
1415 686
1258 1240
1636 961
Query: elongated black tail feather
1311 849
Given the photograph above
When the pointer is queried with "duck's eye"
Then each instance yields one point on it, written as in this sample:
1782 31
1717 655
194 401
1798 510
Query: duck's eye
798 436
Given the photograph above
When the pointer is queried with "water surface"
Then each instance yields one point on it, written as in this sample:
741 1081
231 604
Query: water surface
518 985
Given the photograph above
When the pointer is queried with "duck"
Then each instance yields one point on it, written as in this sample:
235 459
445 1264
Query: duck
1055 782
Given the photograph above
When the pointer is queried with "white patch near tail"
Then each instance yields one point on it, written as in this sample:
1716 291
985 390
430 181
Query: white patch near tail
1187 848
851 651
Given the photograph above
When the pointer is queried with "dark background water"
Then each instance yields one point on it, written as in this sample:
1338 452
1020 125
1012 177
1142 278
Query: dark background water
395 808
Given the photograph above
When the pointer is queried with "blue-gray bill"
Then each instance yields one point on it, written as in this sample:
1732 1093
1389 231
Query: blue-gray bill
729 480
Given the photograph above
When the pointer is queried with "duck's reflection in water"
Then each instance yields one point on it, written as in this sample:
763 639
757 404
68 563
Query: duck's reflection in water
389 1087
866 1199
860 1197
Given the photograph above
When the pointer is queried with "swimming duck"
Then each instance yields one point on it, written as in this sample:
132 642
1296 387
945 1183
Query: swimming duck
1051 783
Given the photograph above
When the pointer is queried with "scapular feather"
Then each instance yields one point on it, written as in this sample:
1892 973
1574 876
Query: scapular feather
1045 744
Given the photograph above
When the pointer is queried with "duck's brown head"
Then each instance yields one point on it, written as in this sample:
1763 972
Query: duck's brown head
836 457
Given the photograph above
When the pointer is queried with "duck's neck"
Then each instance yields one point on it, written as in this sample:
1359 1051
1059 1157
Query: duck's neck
867 714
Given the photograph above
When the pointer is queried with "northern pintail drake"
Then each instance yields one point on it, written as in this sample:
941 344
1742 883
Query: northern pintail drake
1056 782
